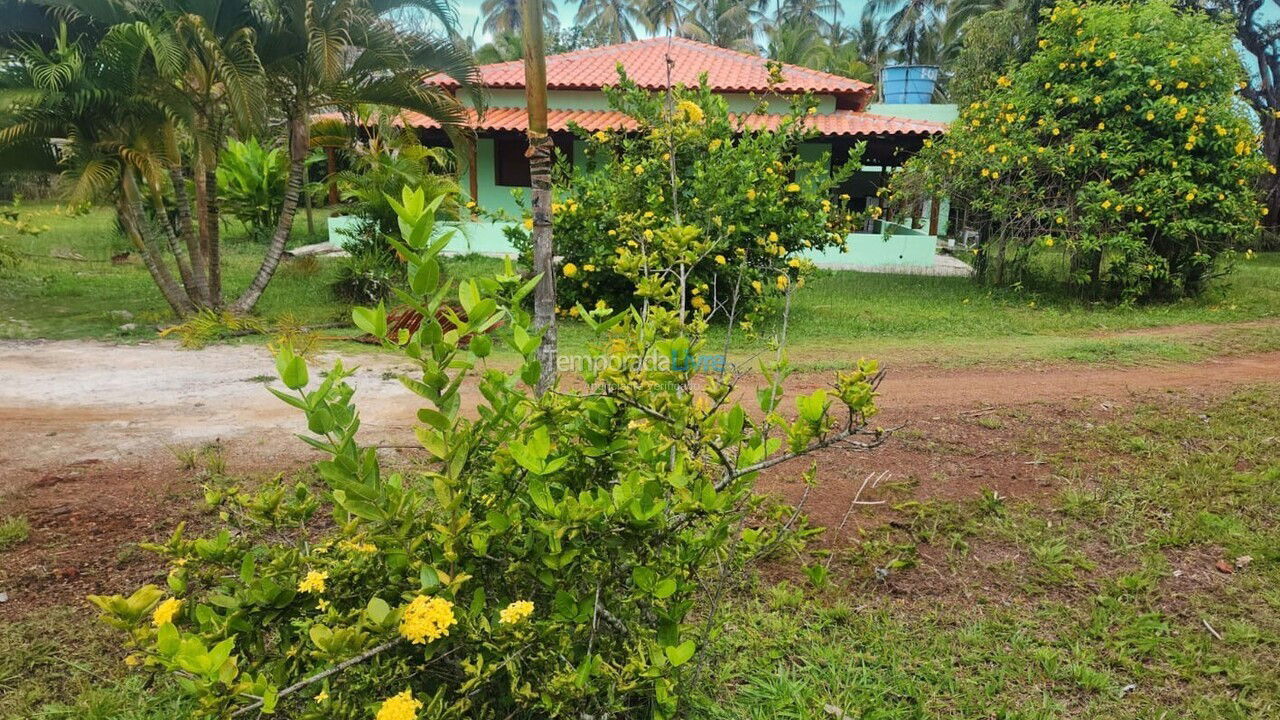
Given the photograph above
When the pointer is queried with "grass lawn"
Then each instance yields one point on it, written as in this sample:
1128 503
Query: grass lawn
838 315
1102 601
1099 599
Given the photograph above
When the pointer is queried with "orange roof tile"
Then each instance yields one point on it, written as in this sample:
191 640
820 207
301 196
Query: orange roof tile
646 64
841 123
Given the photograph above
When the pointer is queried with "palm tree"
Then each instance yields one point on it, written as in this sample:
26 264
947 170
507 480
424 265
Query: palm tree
724 23
142 98
504 16
544 295
615 20
798 43
662 16
816 13
909 22
504 47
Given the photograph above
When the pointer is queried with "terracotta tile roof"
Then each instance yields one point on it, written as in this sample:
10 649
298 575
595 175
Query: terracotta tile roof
841 123
645 62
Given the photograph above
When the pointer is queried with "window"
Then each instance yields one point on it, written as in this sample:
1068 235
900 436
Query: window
511 167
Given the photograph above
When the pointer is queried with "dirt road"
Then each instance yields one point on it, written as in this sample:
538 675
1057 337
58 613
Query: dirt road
89 434
68 402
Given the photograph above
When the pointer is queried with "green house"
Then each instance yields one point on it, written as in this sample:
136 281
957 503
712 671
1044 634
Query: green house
844 118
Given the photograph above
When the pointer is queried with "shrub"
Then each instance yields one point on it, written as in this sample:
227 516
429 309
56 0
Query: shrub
1119 152
251 185
753 198
542 560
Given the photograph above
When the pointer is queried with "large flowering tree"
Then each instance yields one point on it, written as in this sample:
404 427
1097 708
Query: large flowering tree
1118 158
750 202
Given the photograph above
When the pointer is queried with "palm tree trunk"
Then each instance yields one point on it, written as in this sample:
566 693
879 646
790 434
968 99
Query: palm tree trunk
299 142
214 247
187 230
128 206
544 295
180 258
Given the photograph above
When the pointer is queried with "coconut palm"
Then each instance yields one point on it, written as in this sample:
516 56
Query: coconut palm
798 43
663 16
724 23
614 20
909 22
504 16
503 47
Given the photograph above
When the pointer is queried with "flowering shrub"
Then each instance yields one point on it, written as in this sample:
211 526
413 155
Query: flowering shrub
1119 150
754 200
542 557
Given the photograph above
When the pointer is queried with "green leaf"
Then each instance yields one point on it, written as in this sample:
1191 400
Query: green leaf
681 653
377 610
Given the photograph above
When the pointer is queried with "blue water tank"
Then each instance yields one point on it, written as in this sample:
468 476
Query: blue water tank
908 83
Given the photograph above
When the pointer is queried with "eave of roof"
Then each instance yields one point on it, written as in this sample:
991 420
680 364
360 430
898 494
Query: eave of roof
841 123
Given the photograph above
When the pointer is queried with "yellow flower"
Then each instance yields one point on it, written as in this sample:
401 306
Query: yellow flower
399 707
1151 115
528 223
1191 196
714 145
690 111
1173 62
1048 242
783 281
751 193
313 582
515 612
1004 81
426 619
132 661
471 203
570 269
166 611
773 236
1106 204
755 284
720 260
793 187
639 169
588 267
601 137
321 696
1097 99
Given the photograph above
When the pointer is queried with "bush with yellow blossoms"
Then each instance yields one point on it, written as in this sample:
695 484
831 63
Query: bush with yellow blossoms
756 199
1117 162
543 556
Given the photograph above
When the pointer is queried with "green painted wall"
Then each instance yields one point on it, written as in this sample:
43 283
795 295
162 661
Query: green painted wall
592 100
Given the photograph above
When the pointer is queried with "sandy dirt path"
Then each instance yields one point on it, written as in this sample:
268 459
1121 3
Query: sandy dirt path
89 434
75 401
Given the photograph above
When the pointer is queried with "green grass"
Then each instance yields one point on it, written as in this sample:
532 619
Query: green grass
51 297
838 315
58 663
1097 604
14 529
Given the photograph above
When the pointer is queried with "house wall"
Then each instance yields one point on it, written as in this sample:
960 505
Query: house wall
592 100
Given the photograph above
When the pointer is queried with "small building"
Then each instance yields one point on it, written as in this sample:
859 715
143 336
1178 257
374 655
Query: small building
845 117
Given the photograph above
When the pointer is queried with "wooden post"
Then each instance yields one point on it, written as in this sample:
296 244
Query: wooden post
934 206
332 156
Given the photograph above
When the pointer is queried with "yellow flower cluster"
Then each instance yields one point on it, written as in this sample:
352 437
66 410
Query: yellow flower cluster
570 270
166 611
427 619
690 111
313 582
399 707
515 612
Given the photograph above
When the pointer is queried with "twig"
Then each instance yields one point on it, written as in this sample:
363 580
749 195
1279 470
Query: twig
1209 627
326 673
979 411
852 504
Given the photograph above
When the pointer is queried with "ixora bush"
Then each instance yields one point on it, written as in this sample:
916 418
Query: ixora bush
541 561
1120 150
755 201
